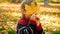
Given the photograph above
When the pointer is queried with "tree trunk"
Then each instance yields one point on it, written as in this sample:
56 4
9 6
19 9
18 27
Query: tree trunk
13 1
46 2
19 1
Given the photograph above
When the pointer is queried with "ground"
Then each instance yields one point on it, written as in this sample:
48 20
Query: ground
49 15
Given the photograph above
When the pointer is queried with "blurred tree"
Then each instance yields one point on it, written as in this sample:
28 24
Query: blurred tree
16 1
46 2
13 1
19 1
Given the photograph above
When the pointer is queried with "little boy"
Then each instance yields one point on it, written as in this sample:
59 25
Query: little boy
34 22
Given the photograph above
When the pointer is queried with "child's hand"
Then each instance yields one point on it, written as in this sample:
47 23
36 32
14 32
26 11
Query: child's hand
37 21
35 18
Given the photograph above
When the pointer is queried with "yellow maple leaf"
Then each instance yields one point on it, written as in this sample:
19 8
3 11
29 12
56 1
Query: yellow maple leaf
32 9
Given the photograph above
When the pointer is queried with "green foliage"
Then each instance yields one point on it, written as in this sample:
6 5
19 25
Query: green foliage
2 28
56 32
11 32
47 29
15 20
38 0
52 1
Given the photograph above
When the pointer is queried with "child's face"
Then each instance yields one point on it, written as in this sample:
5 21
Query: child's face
26 15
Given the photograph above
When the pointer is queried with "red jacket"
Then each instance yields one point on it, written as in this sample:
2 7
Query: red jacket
25 21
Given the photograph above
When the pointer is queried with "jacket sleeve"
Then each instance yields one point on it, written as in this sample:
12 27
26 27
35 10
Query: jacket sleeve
39 27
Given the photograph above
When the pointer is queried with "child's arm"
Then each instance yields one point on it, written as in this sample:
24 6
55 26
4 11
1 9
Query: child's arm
37 19
39 28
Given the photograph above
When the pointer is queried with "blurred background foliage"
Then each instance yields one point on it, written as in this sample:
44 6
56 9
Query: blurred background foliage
19 1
